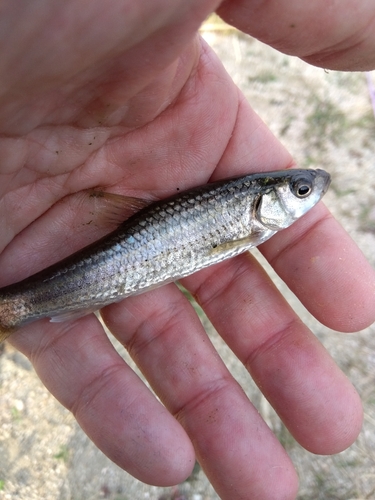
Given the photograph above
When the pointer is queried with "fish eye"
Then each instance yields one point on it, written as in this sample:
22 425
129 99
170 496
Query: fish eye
301 188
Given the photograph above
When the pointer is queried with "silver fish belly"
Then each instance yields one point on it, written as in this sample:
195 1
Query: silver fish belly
164 242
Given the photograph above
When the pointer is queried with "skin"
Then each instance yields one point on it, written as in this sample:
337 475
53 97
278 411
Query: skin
123 95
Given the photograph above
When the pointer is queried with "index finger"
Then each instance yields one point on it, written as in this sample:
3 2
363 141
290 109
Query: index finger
339 37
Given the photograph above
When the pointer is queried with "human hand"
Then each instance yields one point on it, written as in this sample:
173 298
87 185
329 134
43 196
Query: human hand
120 111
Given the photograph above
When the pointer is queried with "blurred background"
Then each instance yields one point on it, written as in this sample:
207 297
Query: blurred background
326 119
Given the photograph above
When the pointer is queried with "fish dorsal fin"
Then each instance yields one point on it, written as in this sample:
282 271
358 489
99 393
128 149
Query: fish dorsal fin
114 208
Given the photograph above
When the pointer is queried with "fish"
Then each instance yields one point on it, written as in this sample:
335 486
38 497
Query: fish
162 242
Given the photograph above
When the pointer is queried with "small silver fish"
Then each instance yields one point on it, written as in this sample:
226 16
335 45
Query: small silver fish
163 242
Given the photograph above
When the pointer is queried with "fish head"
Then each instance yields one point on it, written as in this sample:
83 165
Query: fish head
289 195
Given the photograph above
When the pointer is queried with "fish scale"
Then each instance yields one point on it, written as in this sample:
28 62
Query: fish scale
163 242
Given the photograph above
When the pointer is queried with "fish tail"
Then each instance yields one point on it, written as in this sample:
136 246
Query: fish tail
6 317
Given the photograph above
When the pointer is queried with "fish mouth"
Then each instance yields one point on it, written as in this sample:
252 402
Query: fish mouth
323 180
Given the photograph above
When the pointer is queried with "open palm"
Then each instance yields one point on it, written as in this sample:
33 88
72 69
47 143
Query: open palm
124 96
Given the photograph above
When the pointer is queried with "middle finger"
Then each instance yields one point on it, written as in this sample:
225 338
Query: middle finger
234 446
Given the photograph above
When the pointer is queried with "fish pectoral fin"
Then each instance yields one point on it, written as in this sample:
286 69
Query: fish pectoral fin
115 208
70 315
245 243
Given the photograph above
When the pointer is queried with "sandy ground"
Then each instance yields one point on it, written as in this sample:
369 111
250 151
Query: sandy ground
326 120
